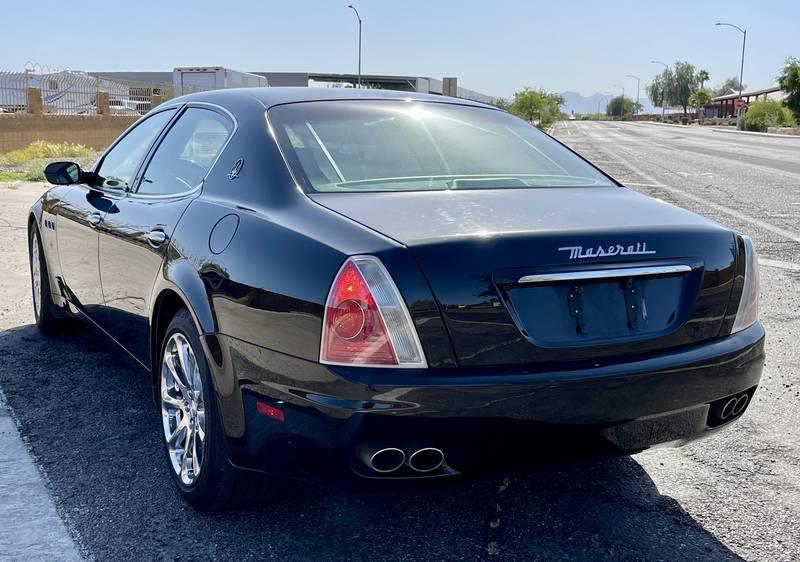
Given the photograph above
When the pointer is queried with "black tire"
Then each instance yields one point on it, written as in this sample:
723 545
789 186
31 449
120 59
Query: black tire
220 485
44 315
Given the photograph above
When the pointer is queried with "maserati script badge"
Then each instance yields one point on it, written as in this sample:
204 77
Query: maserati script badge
579 253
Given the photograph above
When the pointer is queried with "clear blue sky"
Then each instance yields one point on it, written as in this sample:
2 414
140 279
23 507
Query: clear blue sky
494 47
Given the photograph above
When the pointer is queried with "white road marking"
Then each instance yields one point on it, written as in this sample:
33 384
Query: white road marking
702 200
779 264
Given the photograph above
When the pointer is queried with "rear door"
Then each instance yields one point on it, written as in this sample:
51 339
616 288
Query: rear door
85 207
136 233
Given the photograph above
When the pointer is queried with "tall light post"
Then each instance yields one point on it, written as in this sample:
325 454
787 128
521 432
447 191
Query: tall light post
622 105
358 16
636 109
663 88
601 99
741 68
609 94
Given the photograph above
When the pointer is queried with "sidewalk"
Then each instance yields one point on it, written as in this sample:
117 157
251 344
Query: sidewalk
30 528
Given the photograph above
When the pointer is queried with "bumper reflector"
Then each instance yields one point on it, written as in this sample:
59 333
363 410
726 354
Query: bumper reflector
269 411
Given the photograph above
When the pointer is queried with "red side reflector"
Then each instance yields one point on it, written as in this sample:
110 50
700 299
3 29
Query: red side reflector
269 411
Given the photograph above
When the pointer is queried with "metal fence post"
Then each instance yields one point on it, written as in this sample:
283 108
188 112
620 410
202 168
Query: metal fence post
27 102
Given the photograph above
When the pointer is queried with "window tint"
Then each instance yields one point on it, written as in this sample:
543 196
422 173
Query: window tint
120 164
186 153
341 146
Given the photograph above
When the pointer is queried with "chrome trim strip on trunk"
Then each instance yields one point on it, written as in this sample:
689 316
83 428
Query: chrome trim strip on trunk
605 273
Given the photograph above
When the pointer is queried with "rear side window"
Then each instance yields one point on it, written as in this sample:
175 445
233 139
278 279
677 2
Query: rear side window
120 163
187 152
383 145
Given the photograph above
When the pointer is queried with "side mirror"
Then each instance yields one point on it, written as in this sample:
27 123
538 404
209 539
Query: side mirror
63 173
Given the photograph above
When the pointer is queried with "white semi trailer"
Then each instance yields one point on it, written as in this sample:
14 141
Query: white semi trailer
188 79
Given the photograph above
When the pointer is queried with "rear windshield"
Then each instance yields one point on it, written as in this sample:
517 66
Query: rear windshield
381 145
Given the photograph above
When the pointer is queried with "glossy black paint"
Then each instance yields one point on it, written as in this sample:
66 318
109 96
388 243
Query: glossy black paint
252 257
492 238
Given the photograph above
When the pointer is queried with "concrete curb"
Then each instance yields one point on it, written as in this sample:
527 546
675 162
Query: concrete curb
756 133
666 124
31 527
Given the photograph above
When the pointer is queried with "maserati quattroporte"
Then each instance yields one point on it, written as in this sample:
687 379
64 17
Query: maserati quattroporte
382 285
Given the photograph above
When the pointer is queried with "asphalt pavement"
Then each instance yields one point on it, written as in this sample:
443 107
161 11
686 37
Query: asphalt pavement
86 415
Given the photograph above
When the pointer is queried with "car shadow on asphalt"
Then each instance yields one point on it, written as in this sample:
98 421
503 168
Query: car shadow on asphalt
87 413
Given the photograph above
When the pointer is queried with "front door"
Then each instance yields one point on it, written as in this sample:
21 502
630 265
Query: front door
136 232
78 215
85 207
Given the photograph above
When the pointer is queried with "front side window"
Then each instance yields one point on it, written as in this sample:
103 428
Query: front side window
186 153
380 145
119 165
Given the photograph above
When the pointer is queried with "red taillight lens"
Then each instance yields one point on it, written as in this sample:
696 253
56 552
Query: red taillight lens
354 330
366 322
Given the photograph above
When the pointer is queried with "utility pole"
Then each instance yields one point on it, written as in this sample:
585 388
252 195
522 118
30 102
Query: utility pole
663 89
359 42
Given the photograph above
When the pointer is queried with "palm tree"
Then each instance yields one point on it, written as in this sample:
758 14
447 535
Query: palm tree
703 77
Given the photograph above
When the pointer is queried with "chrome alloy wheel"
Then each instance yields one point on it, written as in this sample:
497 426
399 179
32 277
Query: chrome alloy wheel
183 411
36 273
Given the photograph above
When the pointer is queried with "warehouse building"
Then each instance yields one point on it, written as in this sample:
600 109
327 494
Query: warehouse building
422 84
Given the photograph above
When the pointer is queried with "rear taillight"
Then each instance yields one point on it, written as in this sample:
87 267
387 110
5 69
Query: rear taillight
366 322
747 313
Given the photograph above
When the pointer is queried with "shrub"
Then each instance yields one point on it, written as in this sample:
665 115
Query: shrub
30 175
44 150
767 113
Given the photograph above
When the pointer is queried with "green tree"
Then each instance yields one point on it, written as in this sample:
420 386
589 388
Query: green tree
502 103
674 86
685 83
699 100
540 107
726 86
703 76
789 81
622 107
657 90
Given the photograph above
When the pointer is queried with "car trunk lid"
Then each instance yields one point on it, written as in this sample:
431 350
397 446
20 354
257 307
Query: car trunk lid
541 276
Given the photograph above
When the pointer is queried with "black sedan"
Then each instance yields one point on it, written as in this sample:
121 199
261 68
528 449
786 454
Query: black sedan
381 285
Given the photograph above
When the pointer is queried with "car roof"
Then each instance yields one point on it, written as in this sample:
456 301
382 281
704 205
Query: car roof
270 97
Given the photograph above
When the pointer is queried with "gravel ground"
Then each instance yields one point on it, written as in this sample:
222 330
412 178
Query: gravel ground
88 418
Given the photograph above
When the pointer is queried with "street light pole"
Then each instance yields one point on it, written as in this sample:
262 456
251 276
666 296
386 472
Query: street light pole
607 99
610 96
622 105
740 112
636 109
663 88
358 16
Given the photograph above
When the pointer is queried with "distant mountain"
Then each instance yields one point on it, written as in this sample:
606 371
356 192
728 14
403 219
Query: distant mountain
574 102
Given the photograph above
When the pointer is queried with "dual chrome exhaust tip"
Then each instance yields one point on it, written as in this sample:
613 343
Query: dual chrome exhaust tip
734 407
385 460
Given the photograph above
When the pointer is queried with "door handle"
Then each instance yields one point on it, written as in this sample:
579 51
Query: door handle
156 237
94 219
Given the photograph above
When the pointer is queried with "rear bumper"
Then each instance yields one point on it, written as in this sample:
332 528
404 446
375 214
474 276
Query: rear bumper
479 418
